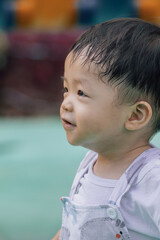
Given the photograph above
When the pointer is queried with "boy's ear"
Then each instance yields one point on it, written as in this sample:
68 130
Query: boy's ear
139 116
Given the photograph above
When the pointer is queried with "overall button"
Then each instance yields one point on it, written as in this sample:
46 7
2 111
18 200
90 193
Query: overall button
112 213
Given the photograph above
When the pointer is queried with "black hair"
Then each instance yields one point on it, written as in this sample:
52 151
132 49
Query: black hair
128 53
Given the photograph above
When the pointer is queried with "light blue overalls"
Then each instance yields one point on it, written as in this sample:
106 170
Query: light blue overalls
103 222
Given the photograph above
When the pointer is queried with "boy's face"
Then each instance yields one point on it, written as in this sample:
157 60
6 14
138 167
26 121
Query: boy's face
89 114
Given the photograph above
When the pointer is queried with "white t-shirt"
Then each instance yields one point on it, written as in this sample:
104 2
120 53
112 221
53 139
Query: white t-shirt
93 190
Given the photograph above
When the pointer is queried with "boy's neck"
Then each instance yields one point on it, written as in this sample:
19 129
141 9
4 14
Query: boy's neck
113 165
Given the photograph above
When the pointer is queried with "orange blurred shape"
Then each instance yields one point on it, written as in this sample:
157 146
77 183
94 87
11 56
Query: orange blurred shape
46 14
150 10
25 12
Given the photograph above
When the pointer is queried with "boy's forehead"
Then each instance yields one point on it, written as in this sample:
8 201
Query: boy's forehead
80 58
82 62
77 71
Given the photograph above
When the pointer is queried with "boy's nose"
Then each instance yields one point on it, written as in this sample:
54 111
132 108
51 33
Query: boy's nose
67 105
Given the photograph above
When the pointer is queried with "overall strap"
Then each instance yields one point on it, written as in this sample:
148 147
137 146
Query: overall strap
82 170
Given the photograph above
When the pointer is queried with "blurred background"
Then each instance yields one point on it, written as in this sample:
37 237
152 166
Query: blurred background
37 165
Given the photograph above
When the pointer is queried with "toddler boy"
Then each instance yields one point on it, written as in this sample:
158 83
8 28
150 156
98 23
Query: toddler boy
112 107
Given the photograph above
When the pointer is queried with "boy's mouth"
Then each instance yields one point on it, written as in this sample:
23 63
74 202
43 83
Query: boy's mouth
67 123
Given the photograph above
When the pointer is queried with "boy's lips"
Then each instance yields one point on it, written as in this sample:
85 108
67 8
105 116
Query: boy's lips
67 124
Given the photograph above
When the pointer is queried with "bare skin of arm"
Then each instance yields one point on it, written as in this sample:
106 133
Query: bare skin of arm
56 237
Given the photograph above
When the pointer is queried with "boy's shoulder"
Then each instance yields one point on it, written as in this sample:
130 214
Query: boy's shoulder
146 189
147 165
149 162
149 159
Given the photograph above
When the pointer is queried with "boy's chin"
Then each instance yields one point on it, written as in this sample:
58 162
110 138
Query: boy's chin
76 142
73 142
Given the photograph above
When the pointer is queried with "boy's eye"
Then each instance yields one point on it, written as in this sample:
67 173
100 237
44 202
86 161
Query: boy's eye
65 90
81 93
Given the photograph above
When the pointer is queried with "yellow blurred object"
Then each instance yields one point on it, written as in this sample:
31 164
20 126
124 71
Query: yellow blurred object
150 10
49 14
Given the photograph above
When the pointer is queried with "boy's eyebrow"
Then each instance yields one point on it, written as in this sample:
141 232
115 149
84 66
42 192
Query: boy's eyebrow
76 80
63 79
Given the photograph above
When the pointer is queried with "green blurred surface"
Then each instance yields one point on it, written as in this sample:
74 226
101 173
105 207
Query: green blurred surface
37 167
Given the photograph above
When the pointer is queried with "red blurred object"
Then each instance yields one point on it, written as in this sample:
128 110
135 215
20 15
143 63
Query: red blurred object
32 83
